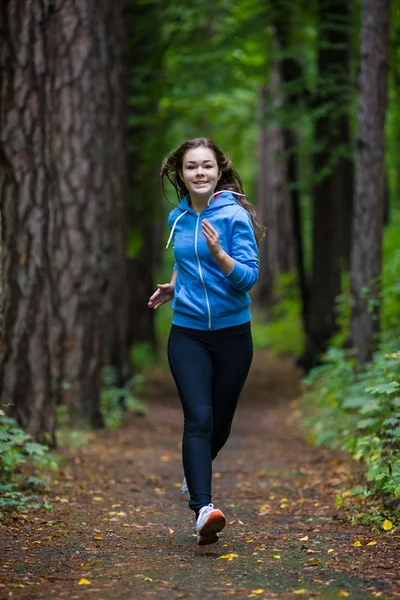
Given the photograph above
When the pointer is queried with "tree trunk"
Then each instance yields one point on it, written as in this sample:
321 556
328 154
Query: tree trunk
366 260
330 189
25 379
277 254
86 122
144 158
292 73
267 255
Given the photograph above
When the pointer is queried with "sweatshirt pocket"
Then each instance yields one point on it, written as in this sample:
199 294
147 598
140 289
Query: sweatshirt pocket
227 300
190 301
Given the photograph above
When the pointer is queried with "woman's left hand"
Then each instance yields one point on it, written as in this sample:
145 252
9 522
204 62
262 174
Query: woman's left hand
212 238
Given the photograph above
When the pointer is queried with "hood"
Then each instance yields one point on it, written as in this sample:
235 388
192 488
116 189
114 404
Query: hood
216 201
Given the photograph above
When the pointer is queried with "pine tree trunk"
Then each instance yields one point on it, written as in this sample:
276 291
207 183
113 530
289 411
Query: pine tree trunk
25 377
268 256
329 191
369 198
145 153
292 76
277 253
86 121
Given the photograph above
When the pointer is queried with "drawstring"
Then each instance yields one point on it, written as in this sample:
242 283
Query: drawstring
173 228
208 204
222 192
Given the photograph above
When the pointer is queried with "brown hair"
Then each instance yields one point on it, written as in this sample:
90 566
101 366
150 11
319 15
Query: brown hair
229 180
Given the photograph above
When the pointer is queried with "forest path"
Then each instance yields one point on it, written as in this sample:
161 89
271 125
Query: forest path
117 521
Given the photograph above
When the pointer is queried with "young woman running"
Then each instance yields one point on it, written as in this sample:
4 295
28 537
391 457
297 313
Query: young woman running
215 233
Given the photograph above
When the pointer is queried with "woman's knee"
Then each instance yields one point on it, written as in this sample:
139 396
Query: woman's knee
198 420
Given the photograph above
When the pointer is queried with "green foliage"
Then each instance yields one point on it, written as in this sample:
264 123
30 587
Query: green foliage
282 330
16 451
115 400
357 410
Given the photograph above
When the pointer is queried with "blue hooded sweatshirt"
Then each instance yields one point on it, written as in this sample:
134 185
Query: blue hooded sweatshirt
204 297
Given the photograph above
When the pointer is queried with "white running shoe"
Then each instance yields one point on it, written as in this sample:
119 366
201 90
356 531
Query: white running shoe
209 523
185 494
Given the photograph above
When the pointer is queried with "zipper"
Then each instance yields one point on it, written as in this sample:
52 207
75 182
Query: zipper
201 272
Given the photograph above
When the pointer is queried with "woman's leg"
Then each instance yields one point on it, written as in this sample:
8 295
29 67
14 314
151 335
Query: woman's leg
192 369
232 356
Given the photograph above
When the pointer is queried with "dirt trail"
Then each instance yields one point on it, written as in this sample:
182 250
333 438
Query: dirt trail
117 521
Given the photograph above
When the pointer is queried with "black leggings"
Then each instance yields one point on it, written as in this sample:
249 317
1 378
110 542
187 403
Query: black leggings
209 369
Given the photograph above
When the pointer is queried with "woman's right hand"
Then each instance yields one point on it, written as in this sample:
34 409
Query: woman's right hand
163 294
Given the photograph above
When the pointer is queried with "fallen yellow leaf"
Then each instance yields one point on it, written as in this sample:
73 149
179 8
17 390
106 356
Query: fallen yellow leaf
229 556
276 556
304 539
259 560
97 498
115 505
97 537
357 543
259 591
371 543
302 591
387 525
84 581
343 594
284 505
148 579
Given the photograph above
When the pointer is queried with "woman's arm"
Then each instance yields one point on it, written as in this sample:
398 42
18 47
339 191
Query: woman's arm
164 292
240 269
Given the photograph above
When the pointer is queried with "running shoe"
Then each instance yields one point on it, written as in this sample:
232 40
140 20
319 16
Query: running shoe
209 523
185 494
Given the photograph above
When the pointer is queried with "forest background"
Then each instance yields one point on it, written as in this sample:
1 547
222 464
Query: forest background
304 98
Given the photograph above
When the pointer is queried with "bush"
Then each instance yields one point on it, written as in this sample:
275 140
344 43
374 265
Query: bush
18 449
115 400
358 411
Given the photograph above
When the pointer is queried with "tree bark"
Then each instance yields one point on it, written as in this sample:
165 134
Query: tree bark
329 168
277 253
369 198
25 376
292 73
87 242
145 151
268 256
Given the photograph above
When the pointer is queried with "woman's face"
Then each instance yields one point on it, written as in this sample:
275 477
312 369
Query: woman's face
200 172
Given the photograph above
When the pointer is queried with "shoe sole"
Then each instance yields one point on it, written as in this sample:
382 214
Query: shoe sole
215 523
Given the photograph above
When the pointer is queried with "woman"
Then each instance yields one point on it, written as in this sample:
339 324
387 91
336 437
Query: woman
215 233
